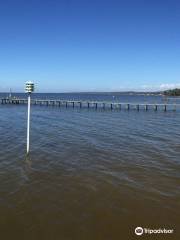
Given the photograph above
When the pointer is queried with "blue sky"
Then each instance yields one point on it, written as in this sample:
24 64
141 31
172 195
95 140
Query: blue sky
88 45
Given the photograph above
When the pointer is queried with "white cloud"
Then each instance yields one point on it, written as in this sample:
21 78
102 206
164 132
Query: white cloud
148 87
161 87
165 86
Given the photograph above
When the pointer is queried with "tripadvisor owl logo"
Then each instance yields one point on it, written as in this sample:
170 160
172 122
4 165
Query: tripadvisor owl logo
139 231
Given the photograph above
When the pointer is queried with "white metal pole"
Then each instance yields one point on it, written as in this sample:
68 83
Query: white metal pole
28 121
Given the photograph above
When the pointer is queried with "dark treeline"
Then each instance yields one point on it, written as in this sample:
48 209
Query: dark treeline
172 92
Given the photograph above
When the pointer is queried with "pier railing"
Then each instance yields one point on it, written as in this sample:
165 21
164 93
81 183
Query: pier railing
94 104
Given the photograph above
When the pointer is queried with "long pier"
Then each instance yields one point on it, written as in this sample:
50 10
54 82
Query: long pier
94 104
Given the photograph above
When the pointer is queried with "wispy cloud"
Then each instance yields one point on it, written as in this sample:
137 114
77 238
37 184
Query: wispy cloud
165 86
161 87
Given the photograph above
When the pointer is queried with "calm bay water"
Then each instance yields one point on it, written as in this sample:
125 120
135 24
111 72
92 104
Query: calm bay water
91 174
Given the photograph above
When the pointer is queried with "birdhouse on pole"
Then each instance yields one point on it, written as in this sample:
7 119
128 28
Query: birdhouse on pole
29 87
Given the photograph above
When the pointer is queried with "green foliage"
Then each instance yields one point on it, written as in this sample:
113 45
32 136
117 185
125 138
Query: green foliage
172 92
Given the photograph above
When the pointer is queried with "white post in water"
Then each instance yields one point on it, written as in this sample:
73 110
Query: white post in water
29 89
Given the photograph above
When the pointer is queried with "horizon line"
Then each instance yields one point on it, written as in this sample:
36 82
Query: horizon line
127 91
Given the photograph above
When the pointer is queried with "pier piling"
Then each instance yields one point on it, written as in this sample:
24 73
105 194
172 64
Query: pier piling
111 105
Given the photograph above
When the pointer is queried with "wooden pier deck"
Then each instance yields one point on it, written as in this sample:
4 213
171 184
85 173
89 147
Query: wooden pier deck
94 104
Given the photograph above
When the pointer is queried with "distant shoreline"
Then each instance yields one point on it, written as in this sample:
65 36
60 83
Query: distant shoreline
168 93
99 93
173 92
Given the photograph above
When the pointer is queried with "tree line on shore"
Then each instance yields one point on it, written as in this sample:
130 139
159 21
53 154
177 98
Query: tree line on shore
172 92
